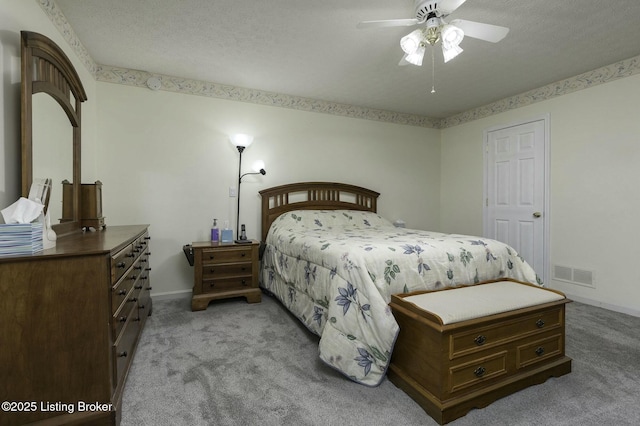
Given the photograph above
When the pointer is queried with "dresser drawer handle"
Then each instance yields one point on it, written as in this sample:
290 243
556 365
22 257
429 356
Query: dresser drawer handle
540 323
121 265
122 319
212 270
133 299
137 267
141 307
479 372
137 287
122 354
149 288
480 340
122 292
243 254
129 255
540 351
244 282
147 238
211 257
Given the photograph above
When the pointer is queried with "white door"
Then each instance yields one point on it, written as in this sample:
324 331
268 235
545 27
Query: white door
516 200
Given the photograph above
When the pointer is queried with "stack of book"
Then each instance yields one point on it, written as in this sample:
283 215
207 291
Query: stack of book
20 239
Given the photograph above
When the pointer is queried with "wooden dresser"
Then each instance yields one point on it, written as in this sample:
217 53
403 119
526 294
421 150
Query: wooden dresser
223 270
450 368
70 320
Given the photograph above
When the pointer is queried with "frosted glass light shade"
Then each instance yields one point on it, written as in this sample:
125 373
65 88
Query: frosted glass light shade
241 139
451 52
411 42
416 57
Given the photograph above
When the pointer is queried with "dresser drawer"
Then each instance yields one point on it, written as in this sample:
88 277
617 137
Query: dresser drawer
227 255
226 271
123 346
122 291
477 371
481 338
539 351
120 319
121 262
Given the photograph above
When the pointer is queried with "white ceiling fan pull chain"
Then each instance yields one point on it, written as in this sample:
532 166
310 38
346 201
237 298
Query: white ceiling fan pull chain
433 70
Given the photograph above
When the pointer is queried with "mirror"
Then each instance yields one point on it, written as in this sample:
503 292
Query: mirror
51 97
52 153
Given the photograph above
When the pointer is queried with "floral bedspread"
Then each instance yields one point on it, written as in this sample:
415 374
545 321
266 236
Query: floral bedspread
336 271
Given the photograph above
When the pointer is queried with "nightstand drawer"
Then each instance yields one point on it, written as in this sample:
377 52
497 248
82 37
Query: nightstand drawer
226 271
226 255
235 283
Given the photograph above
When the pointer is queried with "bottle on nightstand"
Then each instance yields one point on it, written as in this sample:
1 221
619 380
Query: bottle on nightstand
215 232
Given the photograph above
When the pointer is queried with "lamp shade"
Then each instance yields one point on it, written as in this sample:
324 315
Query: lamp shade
241 139
416 57
411 42
451 35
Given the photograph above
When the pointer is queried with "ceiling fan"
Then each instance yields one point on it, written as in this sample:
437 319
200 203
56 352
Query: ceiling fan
430 16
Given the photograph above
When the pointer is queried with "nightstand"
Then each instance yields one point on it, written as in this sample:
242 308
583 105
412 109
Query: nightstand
224 270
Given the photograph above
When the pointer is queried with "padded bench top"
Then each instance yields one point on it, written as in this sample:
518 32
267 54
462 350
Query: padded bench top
465 303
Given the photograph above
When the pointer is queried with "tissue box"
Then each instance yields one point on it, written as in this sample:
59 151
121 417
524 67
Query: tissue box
20 238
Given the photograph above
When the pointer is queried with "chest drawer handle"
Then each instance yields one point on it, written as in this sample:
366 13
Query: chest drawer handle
244 282
122 319
540 323
212 270
479 372
122 354
243 254
540 351
122 292
211 257
480 340
121 265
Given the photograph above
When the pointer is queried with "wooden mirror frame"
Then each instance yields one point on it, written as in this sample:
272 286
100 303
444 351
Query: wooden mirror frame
46 69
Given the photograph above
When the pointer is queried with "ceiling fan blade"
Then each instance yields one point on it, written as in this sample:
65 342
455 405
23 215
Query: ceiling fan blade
388 23
486 32
446 7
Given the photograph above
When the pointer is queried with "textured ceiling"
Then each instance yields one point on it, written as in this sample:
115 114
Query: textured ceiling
313 49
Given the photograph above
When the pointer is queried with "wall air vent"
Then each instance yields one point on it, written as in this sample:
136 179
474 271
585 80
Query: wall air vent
577 276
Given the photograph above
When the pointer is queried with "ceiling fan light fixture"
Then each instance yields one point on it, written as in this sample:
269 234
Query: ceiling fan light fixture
411 42
451 35
416 57
450 52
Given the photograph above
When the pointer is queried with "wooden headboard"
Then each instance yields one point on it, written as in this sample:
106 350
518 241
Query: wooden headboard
314 196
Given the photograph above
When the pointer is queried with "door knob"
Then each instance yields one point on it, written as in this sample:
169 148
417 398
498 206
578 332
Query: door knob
537 214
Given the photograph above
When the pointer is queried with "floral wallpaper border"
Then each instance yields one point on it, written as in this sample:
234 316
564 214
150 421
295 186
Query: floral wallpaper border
106 73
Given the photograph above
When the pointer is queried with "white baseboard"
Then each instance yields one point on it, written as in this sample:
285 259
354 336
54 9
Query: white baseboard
179 294
615 308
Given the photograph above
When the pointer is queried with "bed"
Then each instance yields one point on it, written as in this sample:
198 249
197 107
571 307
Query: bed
334 263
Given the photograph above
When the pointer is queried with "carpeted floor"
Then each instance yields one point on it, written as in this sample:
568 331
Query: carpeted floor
254 364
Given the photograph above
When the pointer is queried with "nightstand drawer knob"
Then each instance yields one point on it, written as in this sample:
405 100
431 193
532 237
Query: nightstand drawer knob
540 323
479 372
540 351
480 340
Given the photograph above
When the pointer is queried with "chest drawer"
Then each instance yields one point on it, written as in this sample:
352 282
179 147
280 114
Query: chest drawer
480 338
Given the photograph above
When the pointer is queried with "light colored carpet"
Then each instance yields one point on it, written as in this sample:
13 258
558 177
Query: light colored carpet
255 364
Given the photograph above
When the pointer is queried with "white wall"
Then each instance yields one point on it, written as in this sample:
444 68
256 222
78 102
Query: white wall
165 159
595 181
